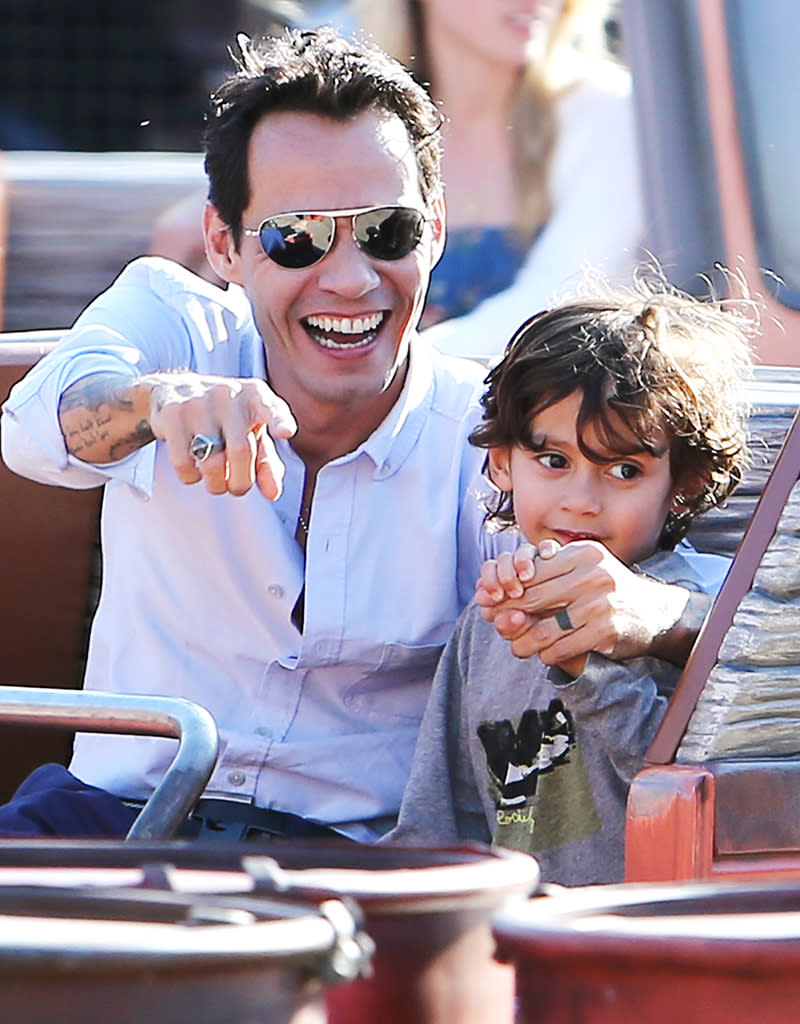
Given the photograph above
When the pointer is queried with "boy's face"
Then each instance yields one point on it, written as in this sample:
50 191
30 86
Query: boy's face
561 494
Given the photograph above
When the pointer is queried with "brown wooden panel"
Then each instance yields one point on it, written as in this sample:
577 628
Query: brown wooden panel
757 806
3 235
760 867
76 219
48 539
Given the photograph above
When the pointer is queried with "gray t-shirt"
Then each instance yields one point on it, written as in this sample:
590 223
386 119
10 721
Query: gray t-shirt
520 755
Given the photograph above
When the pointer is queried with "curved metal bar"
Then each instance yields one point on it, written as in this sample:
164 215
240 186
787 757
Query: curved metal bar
136 715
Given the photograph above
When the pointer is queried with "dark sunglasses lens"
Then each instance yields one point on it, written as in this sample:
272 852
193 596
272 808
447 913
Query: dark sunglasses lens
294 241
389 233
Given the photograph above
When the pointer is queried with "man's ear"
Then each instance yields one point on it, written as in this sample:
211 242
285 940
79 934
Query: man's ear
221 252
499 462
438 218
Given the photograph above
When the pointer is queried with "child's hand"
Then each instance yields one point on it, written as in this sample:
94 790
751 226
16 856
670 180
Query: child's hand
506 576
502 594
609 608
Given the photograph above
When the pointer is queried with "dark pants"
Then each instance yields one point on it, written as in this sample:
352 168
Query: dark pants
52 802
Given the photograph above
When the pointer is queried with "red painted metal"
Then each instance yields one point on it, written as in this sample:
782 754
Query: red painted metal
698 954
427 910
87 955
669 830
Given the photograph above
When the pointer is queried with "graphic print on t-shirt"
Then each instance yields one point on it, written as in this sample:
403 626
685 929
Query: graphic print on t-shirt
538 780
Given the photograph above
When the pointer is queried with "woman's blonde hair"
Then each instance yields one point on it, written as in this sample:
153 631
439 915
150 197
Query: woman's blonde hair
398 27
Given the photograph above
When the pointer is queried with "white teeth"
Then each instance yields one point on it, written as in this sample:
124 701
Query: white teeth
330 343
346 324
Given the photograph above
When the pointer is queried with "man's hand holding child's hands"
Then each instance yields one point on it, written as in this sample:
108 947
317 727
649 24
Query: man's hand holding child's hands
610 608
511 594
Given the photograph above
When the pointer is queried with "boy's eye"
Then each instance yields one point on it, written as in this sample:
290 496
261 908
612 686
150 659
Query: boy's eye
552 460
625 470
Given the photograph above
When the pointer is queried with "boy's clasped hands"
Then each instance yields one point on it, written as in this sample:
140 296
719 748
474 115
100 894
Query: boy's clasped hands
563 601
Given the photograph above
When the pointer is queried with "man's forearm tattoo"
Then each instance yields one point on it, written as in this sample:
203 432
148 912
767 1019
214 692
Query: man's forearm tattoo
87 409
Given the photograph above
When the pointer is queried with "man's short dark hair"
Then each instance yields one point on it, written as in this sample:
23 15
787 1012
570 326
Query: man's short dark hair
317 72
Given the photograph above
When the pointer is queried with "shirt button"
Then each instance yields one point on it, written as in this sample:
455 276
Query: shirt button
274 590
236 778
264 730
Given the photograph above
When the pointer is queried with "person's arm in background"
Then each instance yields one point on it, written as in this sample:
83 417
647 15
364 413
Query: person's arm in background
178 235
597 219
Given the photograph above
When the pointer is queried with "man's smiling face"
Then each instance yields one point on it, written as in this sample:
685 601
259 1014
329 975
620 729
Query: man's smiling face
337 332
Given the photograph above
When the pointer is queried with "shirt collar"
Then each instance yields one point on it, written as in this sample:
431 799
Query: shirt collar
391 443
394 440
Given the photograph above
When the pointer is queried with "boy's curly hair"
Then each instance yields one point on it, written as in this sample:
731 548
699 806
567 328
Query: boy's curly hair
659 359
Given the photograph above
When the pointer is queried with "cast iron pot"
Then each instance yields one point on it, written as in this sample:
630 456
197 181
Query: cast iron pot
427 910
697 953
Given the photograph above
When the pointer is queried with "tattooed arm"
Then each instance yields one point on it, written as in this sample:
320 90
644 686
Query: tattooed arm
107 416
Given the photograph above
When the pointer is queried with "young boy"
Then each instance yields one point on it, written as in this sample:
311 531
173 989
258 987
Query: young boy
609 425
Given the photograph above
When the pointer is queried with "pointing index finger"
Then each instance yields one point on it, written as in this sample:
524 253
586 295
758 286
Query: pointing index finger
272 411
269 468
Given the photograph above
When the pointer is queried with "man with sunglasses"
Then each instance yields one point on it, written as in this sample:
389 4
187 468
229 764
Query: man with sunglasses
304 592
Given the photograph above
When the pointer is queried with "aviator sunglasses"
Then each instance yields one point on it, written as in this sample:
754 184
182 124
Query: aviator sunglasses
299 240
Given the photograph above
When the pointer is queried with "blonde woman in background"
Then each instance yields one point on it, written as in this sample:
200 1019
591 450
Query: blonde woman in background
540 165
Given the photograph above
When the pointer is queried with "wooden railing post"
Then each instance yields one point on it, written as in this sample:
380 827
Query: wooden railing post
669 831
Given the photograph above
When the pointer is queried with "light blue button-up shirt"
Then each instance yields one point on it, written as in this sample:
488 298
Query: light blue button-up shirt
198 589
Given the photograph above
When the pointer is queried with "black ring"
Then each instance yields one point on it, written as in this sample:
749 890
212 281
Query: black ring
202 447
563 619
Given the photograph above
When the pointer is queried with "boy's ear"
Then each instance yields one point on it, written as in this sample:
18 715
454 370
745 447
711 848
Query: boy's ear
687 487
221 252
499 461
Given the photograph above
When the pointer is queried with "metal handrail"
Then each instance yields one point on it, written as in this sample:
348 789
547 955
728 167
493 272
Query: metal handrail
137 715
27 347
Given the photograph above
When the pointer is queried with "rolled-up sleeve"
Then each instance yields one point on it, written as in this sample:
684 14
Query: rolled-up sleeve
129 330
32 443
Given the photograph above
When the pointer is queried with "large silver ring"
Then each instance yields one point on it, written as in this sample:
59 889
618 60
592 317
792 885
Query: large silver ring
203 447
563 619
